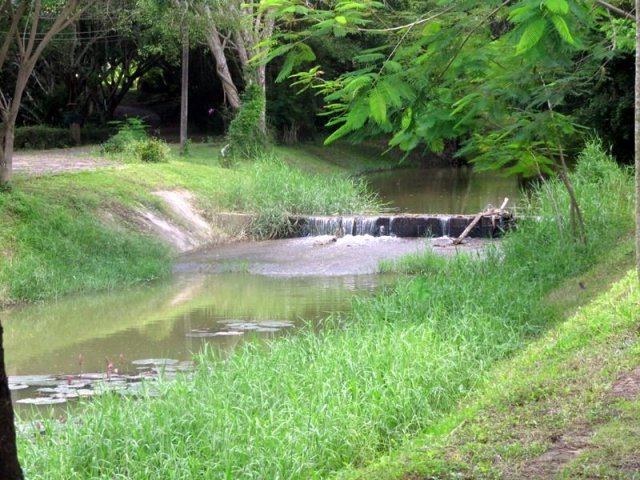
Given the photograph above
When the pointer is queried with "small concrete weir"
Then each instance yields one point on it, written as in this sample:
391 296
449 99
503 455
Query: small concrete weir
409 225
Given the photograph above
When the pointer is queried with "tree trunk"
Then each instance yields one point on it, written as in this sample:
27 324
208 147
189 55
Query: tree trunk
9 465
222 67
264 30
9 118
6 152
577 222
637 137
184 95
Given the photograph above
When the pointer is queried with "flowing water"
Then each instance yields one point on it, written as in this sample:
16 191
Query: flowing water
74 346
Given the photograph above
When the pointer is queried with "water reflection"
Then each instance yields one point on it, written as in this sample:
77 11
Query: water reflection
443 190
83 334
153 320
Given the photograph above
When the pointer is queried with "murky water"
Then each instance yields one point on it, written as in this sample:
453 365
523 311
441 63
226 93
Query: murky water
443 190
223 295
171 319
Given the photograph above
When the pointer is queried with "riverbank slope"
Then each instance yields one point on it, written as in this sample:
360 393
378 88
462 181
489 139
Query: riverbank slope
123 223
566 407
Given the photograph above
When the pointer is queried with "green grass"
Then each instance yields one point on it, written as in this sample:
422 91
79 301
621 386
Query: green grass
282 190
556 392
310 405
311 157
79 232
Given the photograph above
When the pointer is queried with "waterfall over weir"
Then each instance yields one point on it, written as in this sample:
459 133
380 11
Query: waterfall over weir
400 225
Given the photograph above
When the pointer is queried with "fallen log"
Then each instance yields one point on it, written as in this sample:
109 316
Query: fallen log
485 213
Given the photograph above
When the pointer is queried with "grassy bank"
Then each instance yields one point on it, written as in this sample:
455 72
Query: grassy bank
567 407
310 405
82 231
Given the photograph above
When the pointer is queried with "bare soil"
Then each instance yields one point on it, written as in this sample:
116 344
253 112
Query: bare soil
51 162
577 438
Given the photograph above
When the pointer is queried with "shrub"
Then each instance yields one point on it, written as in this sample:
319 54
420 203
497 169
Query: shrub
245 135
152 150
41 137
130 131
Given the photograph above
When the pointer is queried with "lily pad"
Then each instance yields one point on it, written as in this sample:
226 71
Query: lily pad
155 361
92 376
200 334
276 324
35 380
17 386
42 401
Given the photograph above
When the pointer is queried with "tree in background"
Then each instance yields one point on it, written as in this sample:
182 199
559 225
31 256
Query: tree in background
27 27
238 31
492 77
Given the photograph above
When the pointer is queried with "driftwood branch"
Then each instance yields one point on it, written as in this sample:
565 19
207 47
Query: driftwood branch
489 212
615 10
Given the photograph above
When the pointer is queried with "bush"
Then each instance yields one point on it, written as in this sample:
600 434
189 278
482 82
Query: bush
40 137
152 150
134 144
245 135
130 132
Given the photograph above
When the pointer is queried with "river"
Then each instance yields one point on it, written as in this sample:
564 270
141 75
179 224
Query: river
61 349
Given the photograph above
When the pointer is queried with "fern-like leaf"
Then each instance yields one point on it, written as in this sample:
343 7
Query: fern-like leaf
560 7
563 29
531 35
378 106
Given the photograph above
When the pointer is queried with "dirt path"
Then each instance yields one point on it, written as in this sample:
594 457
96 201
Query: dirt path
578 437
51 162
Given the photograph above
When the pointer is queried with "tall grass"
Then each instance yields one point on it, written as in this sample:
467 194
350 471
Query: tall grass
274 191
310 404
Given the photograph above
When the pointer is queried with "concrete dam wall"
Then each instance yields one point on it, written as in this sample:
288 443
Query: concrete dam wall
409 225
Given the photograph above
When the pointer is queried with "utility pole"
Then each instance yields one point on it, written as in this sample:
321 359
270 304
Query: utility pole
184 96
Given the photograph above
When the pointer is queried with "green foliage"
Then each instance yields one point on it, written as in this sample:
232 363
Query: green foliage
306 405
41 137
132 143
494 76
246 135
129 133
279 191
152 150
